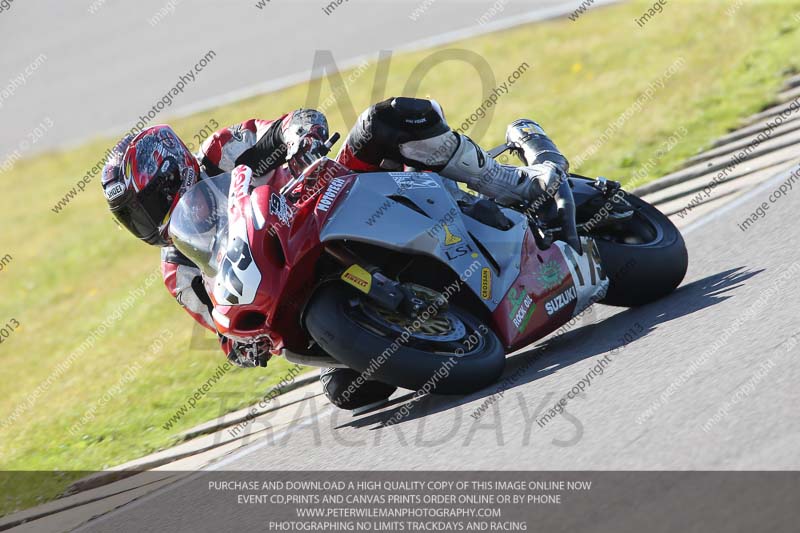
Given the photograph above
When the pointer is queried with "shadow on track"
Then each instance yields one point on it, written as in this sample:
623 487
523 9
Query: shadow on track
557 352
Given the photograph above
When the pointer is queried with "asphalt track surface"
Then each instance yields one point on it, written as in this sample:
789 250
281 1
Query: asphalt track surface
105 69
724 343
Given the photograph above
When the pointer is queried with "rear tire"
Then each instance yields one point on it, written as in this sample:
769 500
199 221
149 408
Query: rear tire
336 320
645 257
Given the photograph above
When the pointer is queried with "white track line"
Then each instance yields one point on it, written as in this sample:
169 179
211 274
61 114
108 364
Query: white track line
421 44
308 75
191 476
749 195
325 412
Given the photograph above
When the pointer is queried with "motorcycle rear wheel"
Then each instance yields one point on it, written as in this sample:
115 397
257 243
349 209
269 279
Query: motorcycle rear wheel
644 257
451 353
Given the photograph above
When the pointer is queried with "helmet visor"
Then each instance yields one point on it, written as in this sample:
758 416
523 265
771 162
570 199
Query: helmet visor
137 221
159 197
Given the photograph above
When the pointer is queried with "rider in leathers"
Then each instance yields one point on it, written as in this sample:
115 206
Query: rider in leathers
392 134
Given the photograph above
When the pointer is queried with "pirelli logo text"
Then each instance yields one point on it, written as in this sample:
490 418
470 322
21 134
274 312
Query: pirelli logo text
360 283
358 278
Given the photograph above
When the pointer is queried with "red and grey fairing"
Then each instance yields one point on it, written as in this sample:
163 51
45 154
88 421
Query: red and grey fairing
413 212
553 286
266 269
529 291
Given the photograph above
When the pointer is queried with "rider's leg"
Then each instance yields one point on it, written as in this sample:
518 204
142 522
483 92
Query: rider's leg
344 390
413 132
375 140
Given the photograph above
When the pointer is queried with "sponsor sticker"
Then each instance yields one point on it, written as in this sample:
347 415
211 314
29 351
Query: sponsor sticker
358 278
550 274
449 238
456 247
459 251
413 180
486 283
279 208
522 308
560 301
334 188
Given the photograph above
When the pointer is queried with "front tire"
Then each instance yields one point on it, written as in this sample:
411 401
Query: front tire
644 257
341 321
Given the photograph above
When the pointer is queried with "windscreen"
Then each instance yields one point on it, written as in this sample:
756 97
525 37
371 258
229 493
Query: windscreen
199 224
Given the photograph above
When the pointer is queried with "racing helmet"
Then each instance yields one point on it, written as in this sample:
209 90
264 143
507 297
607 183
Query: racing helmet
145 177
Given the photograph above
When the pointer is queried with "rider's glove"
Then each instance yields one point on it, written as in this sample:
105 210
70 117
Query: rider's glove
305 137
304 151
249 355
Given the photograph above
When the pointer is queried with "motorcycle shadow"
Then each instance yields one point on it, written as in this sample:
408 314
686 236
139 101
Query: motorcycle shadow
590 337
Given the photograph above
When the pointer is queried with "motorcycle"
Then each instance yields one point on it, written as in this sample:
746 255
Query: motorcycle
409 280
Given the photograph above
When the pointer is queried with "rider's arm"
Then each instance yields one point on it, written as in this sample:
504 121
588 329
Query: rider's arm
184 282
180 276
261 144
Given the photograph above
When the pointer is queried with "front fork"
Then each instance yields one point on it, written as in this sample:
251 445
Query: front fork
369 280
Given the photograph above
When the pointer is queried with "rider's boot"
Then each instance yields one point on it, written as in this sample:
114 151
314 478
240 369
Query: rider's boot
533 145
508 185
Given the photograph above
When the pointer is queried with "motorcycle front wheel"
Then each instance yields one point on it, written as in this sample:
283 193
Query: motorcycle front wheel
450 352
